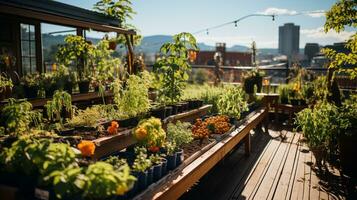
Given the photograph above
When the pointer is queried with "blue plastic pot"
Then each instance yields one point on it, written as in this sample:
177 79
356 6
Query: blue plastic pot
150 176
171 161
157 173
179 157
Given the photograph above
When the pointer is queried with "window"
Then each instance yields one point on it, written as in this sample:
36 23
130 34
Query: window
52 36
28 48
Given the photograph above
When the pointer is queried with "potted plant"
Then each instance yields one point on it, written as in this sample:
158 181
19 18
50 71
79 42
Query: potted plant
54 107
18 117
5 87
104 180
158 164
347 138
179 134
232 102
141 168
77 52
174 66
30 83
150 134
283 91
84 81
133 100
48 84
319 127
251 79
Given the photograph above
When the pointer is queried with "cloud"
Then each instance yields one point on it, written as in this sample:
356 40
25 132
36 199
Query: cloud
318 33
278 11
283 11
316 13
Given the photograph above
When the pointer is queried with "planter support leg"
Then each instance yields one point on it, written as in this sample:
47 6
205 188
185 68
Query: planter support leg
247 144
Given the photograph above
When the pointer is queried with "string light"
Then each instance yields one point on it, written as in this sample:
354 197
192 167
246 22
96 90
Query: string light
252 15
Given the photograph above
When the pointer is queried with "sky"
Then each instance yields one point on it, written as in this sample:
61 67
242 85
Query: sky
168 17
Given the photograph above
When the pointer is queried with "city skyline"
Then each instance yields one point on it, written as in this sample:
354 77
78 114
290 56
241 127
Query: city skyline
164 17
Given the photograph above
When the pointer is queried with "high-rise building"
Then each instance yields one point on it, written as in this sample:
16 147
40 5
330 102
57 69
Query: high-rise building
311 49
289 39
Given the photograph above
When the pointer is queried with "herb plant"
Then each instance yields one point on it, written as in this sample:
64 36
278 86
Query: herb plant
18 117
104 181
134 98
232 102
60 100
179 133
141 162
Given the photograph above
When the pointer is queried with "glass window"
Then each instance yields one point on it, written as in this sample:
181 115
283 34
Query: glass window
28 48
52 36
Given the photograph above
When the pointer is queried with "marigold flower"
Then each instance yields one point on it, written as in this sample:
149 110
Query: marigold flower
113 128
140 133
86 147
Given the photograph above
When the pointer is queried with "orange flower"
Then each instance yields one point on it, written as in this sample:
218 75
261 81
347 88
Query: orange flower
86 147
154 149
113 128
140 133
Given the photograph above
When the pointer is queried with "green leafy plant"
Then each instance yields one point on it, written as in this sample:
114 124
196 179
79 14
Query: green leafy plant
60 100
179 134
5 82
320 126
76 52
104 181
341 15
232 102
149 133
174 66
156 159
134 99
37 156
31 80
67 183
116 161
88 117
119 9
17 117
141 162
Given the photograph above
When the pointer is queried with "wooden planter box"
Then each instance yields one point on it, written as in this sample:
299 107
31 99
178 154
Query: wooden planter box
180 180
110 144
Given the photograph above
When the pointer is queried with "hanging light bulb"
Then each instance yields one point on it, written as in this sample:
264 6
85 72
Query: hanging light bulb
207 31
235 23
273 17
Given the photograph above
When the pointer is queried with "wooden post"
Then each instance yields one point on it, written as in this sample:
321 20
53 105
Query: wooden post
247 144
129 44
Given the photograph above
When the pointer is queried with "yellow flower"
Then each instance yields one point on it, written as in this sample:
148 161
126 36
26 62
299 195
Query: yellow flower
121 189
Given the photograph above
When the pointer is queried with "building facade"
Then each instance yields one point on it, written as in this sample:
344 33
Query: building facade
228 58
310 50
289 39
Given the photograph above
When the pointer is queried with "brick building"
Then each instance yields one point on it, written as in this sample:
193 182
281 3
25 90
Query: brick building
229 58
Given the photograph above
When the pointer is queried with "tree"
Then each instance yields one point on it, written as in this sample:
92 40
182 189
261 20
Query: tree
341 15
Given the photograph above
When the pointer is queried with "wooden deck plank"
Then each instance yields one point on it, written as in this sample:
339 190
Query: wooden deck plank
315 186
278 170
257 173
307 175
289 168
270 178
239 170
295 169
299 180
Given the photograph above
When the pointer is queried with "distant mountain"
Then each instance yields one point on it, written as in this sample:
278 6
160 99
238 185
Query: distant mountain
239 48
152 44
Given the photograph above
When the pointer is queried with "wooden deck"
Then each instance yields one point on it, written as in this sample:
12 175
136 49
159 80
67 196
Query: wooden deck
280 166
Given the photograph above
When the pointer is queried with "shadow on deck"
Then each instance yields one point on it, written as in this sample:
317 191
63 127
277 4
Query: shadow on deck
280 166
